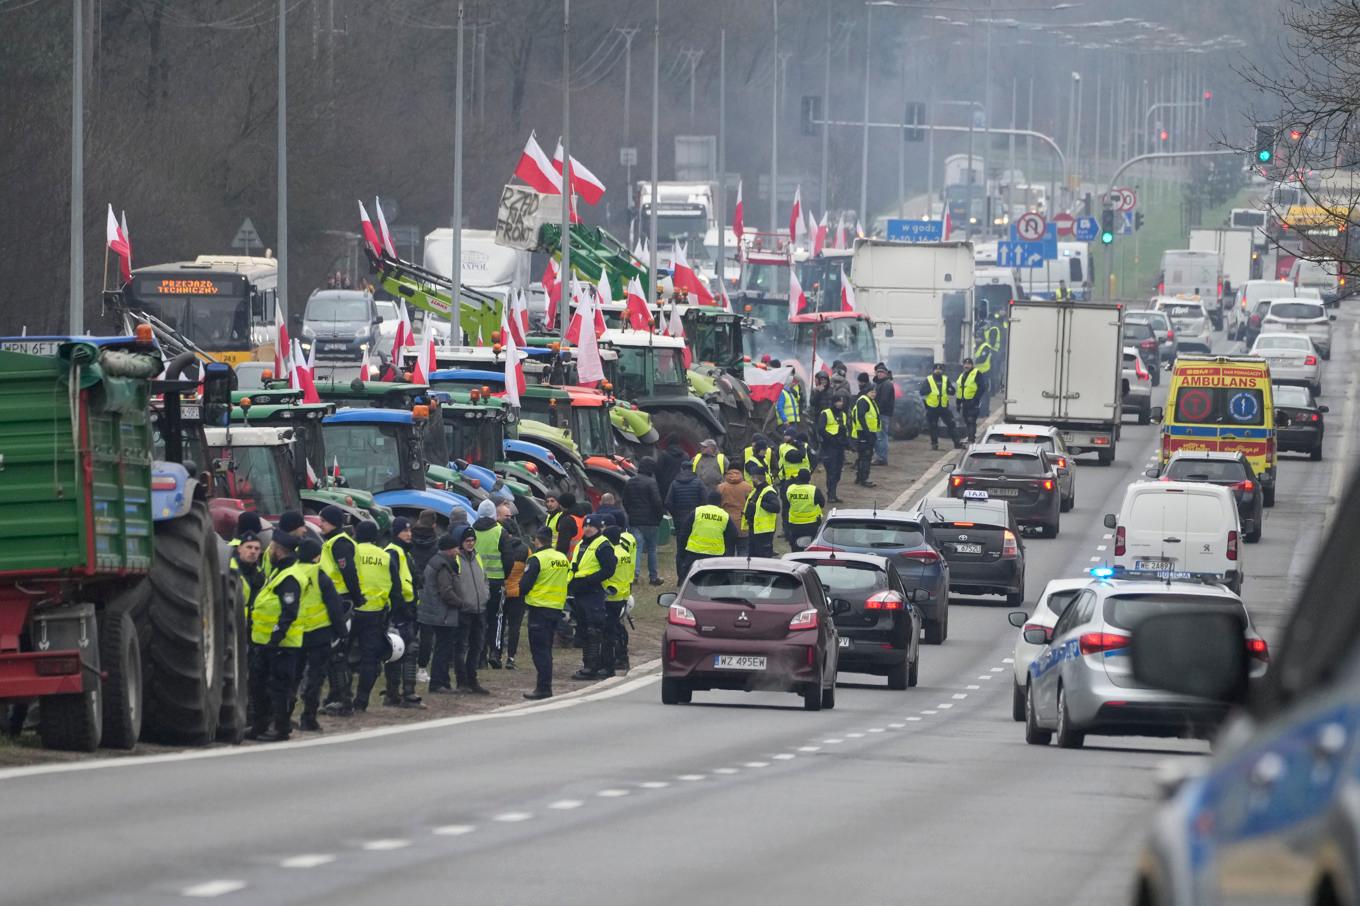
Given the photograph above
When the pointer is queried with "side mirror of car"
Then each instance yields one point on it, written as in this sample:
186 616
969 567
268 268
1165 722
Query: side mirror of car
888 331
377 319
918 595
1194 652
1324 409
1017 618
1151 472
1038 635
667 598
1331 317
840 606
1111 521
802 542
1157 414
949 467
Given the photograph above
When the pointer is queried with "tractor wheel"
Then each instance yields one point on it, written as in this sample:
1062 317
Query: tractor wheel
909 414
120 657
71 723
186 617
680 430
231 720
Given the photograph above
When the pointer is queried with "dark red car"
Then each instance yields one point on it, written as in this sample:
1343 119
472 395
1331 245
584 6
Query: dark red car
752 625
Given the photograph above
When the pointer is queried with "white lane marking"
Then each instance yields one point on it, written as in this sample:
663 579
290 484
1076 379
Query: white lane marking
453 830
833 741
875 729
854 735
1101 547
973 687
726 770
690 777
213 888
897 726
654 784
985 676
613 793
307 860
1106 537
756 764
945 705
927 712
1007 660
1095 559
996 669
913 718
960 696
386 844
565 805
809 748
513 817
785 756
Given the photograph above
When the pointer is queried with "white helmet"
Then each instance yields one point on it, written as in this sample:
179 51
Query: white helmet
396 647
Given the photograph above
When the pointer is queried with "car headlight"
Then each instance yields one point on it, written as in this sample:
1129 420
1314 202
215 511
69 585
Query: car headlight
360 333
363 347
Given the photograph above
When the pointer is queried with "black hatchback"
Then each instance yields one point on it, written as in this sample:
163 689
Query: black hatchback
982 543
1020 474
1299 421
1230 470
880 632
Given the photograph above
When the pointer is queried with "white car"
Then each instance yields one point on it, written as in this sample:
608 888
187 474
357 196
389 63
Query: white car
1057 595
1301 316
1189 318
387 330
1184 526
1050 440
1137 386
1293 359
1245 299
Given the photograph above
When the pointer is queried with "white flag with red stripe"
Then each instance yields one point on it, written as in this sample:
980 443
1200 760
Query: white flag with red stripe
738 216
842 236
303 376
589 364
552 287
723 297
583 182
517 323
819 237
819 364
796 216
383 232
675 327
118 244
639 316
798 302
335 468
585 307
948 225
514 368
684 277
370 234
282 346
313 480
536 171
847 294
365 369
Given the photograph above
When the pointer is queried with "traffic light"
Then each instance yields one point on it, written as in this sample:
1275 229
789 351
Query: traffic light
812 114
915 116
1295 134
1163 135
1138 220
1106 226
1265 144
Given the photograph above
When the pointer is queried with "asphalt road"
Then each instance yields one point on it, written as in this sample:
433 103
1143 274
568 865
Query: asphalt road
928 795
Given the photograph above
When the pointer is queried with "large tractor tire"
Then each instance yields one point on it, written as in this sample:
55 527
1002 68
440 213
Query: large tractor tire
909 414
680 430
71 723
185 629
231 721
120 657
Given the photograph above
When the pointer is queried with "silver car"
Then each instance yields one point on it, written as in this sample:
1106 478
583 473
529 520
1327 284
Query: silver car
1190 320
1137 387
1082 682
1301 316
1293 359
1058 594
1161 328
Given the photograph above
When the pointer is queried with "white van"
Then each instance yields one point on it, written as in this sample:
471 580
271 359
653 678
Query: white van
1179 525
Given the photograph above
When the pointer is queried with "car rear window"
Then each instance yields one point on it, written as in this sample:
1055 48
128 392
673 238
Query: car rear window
1295 310
1175 509
1183 312
745 586
1298 344
985 514
1220 406
1039 440
1127 611
1286 395
842 579
1138 330
1059 601
1206 470
1002 463
881 534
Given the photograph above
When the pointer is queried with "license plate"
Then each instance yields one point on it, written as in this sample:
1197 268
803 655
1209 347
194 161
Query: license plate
1005 492
32 347
968 548
738 662
1153 564
845 642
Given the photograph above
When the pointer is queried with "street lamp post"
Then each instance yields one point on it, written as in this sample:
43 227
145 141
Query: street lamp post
565 277
774 130
282 152
864 142
77 295
456 258
656 138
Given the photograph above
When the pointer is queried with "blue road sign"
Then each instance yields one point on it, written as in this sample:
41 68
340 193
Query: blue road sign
1086 229
1126 224
1049 246
1021 254
915 230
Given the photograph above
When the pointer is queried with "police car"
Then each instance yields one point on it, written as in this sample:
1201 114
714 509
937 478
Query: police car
1082 681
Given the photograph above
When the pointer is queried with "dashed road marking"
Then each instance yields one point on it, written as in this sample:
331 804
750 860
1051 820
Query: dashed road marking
897 726
854 735
1106 537
875 729
913 718
307 860
613 793
833 741
985 676
785 756
927 712
565 805
973 687
756 764
960 696
513 817
690 778
809 748
453 830
1101 547
996 669
386 844
726 770
1008 660
945 705
654 784
1095 559
213 888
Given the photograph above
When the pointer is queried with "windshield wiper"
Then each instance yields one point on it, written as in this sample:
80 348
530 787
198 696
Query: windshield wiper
733 600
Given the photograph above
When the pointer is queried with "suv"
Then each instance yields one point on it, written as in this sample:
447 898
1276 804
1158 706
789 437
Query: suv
1141 336
1136 385
906 539
1023 475
1190 320
1162 329
1229 470
1050 440
1301 316
343 325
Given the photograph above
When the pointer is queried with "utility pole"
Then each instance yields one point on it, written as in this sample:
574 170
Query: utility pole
864 140
628 35
565 278
774 130
282 150
77 297
987 121
692 57
722 158
656 139
456 259
826 107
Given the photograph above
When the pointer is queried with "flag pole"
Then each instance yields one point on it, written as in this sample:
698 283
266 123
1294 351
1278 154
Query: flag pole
565 314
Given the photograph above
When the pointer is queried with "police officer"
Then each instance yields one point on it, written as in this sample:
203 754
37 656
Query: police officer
323 620
401 676
593 563
711 533
758 454
544 586
972 386
793 457
564 526
788 409
935 394
833 429
1063 294
803 505
245 566
864 428
760 516
337 562
275 638
495 548
370 618
618 588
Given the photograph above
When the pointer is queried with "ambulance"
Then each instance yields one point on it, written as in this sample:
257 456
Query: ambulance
1222 403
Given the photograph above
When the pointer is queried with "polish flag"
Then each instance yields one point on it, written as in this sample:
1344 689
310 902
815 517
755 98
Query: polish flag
518 322
810 228
675 327
589 365
847 294
370 234
365 369
738 220
400 340
819 237
313 480
683 277
722 295
302 375
819 364
585 308
583 182
798 302
118 244
127 237
282 347
948 225
552 286
383 232
536 170
335 468
842 237
640 251
796 216
425 357
639 316
604 290
514 368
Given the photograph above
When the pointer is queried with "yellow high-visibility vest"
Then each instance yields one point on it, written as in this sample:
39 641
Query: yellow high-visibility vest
330 566
802 501
708 535
586 563
968 387
938 398
312 612
868 421
264 619
550 588
489 549
765 522
375 576
618 586
404 562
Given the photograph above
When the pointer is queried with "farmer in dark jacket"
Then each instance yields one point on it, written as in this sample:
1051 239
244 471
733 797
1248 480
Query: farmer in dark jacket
885 394
439 610
642 502
686 494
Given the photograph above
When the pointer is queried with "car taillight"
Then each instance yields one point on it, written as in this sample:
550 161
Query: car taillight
823 548
1161 289
1245 485
1060 462
1171 334
806 619
1096 642
681 615
1310 360
1314 417
1258 649
885 600
1232 545
1010 548
1139 370
956 481
1148 344
1046 484
1119 545
927 557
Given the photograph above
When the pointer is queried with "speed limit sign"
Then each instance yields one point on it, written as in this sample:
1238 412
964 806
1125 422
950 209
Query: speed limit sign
1129 199
1030 227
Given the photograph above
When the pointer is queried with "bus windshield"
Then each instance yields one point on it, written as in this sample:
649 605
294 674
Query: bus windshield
212 311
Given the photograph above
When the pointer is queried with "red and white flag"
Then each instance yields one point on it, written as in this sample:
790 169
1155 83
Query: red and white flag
723 297
798 301
518 321
313 480
370 234
400 340
819 364
302 377
583 182
675 327
365 369
847 294
796 227
948 225
683 277
282 346
819 237
425 357
514 368
335 468
552 287
640 252
639 316
117 240
589 365
604 291
766 384
738 217
383 232
842 236
809 228
535 170
585 308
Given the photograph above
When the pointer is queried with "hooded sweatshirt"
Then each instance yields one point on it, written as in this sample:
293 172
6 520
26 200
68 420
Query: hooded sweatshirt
734 494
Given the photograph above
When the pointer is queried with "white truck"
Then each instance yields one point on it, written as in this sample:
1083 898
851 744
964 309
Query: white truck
1064 367
1234 247
494 269
920 296
684 211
